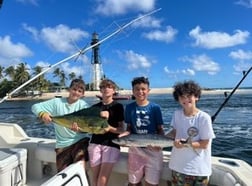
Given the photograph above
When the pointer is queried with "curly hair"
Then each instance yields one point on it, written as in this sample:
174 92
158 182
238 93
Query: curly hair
187 87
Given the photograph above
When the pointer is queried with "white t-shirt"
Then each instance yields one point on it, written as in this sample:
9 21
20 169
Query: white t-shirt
189 161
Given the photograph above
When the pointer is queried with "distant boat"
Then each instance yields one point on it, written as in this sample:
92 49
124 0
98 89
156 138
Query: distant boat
118 96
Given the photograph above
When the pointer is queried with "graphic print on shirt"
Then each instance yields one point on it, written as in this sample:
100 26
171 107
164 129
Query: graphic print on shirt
142 121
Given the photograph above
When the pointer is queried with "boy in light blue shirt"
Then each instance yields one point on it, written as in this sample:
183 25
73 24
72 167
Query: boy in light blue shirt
71 146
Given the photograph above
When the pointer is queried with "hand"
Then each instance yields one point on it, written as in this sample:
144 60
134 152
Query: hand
180 143
104 114
110 129
125 133
75 127
46 118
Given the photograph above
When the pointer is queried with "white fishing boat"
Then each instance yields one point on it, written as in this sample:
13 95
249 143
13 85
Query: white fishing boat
31 161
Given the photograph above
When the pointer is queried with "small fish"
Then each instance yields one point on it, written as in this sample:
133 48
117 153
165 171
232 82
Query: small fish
88 120
144 140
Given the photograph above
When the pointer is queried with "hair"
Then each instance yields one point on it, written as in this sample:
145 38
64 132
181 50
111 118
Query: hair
187 87
78 83
139 80
107 83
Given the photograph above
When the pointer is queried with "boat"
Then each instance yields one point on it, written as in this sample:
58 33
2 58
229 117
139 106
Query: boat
30 161
118 96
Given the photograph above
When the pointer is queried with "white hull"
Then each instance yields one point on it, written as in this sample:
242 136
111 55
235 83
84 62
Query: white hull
41 169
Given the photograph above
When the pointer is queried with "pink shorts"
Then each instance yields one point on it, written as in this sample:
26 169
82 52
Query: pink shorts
102 154
143 162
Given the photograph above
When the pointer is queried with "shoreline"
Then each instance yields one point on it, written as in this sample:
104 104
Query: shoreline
45 96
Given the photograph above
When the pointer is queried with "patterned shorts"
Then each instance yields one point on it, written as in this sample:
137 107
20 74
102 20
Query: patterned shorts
179 179
68 155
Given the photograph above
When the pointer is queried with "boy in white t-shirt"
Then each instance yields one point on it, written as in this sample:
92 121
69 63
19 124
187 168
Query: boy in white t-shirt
193 133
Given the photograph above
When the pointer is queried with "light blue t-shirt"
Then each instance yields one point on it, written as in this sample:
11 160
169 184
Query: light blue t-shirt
59 106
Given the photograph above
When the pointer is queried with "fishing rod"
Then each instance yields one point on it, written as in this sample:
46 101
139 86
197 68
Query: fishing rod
245 73
81 52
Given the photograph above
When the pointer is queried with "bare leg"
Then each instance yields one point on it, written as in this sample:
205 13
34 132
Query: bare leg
95 171
104 174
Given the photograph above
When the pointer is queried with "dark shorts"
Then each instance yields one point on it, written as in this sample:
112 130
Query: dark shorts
68 155
179 179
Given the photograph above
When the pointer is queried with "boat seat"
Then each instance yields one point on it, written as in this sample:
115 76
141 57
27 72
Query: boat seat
46 152
223 178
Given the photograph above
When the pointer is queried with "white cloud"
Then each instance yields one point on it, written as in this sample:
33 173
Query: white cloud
245 3
241 66
203 63
171 73
136 61
111 7
176 73
165 36
211 40
189 72
33 2
12 53
148 22
241 55
69 68
32 30
62 38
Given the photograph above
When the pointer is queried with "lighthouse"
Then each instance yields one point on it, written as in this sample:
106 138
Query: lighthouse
96 64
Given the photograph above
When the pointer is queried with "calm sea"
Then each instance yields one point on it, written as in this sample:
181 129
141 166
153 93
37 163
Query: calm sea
232 126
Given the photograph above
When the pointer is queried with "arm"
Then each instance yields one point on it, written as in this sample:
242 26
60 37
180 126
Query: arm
117 130
202 144
127 132
44 110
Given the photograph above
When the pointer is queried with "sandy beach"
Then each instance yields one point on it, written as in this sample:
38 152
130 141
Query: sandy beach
129 92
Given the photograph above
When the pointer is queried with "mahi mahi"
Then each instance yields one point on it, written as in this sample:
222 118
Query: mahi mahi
88 120
144 140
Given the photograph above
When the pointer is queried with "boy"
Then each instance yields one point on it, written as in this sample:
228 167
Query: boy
71 146
144 117
103 153
192 129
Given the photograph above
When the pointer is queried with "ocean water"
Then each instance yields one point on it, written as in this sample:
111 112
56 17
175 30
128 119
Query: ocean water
232 126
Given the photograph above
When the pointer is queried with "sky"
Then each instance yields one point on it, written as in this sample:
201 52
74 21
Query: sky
208 41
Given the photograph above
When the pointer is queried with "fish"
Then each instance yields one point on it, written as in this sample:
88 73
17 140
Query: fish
87 119
144 140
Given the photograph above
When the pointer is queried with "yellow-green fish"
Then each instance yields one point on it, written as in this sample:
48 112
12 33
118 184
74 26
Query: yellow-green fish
88 120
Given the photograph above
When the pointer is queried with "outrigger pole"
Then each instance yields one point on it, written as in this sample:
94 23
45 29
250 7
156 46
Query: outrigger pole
81 52
245 73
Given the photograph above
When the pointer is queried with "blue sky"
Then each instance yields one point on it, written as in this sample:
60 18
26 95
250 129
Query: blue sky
208 41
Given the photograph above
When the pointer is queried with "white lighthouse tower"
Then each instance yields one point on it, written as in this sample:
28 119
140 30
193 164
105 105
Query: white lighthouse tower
96 64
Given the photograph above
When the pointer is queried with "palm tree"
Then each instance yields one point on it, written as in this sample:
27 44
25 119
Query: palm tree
62 76
21 74
40 83
72 76
56 72
10 71
1 72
